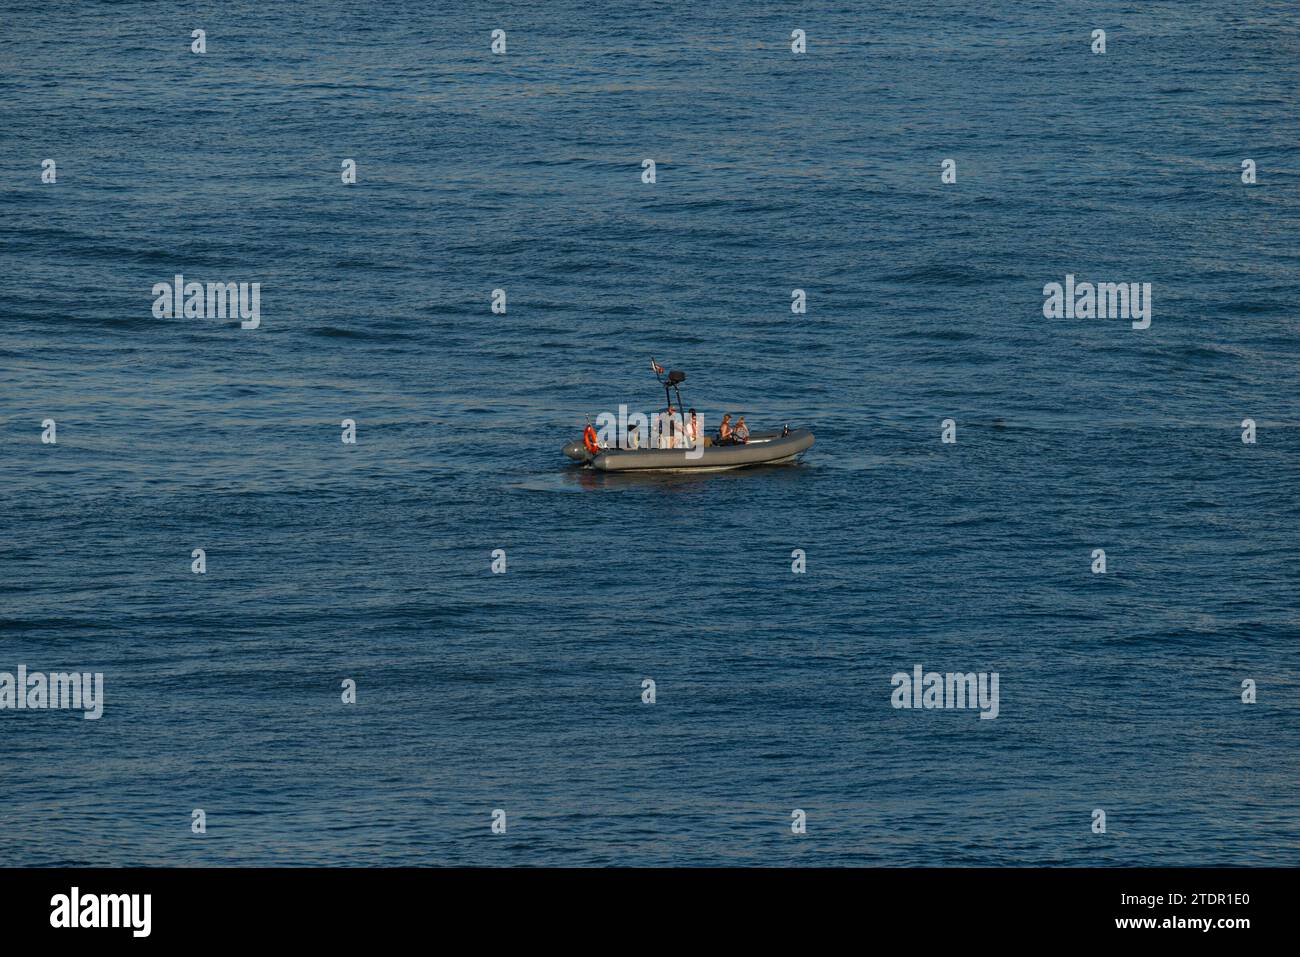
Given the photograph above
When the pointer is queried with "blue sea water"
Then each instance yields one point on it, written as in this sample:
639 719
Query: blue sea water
521 691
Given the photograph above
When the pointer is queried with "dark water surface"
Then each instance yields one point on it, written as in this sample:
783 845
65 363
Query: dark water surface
522 691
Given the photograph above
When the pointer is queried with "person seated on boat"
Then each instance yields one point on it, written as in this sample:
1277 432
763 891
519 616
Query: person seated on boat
633 437
741 432
724 431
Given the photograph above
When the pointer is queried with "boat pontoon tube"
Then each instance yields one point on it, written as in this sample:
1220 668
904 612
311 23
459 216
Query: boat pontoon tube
763 448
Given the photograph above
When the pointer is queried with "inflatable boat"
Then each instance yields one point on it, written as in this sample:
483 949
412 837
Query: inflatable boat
763 448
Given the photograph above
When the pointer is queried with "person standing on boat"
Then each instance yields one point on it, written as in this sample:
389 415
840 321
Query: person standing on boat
671 432
692 431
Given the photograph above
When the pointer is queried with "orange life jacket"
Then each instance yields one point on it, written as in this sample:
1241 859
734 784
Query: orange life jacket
589 440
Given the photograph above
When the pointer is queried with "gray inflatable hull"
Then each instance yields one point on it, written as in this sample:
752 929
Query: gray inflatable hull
763 448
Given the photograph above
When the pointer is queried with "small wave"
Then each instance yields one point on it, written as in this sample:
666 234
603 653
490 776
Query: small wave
334 332
945 275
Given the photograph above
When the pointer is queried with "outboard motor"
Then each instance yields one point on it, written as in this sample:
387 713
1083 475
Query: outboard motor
586 448
577 451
